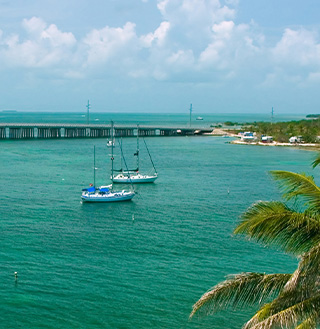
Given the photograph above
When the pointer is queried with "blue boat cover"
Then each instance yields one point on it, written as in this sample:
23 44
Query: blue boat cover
90 189
104 190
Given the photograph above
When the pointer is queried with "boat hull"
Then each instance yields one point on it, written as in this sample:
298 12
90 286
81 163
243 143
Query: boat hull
111 197
134 179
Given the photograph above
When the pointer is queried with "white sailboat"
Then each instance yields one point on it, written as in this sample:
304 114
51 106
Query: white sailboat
101 194
134 176
104 193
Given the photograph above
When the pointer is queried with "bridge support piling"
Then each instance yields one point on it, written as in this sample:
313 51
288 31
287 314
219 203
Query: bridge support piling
50 131
3 134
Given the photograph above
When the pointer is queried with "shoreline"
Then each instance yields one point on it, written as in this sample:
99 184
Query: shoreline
221 132
303 146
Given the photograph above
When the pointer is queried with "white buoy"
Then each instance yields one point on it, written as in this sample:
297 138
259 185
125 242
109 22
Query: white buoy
132 217
16 275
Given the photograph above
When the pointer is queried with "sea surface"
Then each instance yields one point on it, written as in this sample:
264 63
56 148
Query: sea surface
137 264
165 119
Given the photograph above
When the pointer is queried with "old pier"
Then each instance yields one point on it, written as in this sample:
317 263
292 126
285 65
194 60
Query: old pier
10 131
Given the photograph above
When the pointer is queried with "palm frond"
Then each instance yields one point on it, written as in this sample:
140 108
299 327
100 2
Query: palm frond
274 223
298 185
285 300
292 316
240 290
307 274
309 323
316 161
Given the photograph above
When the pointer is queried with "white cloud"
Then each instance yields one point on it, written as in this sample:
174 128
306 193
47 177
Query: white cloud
181 58
58 38
298 47
34 25
162 4
159 35
231 47
294 60
232 2
224 29
110 42
187 12
195 40
43 46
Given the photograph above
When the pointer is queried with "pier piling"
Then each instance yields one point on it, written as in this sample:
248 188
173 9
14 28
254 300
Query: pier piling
51 131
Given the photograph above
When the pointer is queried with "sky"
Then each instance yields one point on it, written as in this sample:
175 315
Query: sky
159 56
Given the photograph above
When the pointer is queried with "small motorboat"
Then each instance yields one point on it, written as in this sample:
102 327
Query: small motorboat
110 143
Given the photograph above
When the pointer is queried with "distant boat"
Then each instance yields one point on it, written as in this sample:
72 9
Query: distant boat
110 143
134 176
104 193
199 118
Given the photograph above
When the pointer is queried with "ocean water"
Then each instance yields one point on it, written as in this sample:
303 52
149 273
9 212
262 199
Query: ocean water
92 266
165 119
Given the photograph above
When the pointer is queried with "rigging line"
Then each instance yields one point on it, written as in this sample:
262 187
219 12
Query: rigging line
112 141
94 166
125 163
149 155
138 151
121 157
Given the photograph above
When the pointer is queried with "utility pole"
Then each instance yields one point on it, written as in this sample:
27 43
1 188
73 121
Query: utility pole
88 107
190 113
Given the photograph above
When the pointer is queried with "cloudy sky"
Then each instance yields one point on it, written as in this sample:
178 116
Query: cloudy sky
231 56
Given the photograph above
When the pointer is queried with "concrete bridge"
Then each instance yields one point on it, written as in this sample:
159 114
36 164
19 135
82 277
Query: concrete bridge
53 130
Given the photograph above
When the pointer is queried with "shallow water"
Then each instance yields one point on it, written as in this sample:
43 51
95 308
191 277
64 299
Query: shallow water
92 266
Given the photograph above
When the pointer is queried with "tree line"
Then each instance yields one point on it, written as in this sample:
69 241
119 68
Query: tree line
282 131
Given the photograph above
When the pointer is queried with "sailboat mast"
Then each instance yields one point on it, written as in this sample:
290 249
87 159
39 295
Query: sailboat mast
112 141
94 166
138 151
121 157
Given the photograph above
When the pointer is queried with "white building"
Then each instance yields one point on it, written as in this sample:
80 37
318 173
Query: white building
295 139
248 136
266 139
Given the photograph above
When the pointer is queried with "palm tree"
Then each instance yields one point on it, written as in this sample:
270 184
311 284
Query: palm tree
285 300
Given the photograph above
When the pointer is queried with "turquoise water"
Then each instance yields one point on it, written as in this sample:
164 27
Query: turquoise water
92 266
141 118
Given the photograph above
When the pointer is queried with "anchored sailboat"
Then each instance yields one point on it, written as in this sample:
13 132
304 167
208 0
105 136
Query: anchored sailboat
134 176
105 193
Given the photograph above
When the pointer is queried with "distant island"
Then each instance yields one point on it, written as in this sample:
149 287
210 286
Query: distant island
9 111
313 116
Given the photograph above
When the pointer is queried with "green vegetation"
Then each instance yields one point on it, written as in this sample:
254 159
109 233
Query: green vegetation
313 116
230 123
285 300
282 131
